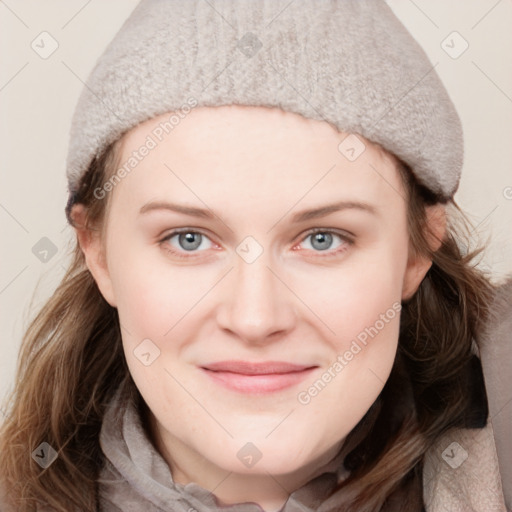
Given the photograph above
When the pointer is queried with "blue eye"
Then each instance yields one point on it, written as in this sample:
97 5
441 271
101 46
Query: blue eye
186 241
190 241
181 242
322 241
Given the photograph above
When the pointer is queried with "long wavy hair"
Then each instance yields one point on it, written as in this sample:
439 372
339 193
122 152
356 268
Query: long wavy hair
71 362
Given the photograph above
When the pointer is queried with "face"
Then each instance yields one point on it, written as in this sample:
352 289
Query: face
258 274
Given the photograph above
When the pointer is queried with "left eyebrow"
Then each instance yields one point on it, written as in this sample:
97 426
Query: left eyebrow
322 211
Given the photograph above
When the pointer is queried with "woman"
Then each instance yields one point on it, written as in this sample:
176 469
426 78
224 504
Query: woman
268 307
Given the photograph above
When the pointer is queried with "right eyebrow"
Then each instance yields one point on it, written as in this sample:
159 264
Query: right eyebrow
178 208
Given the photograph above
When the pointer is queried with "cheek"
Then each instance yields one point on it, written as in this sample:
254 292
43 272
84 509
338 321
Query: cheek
362 355
156 304
361 308
159 305
351 297
152 294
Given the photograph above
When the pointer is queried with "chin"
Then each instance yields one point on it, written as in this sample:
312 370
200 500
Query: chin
261 457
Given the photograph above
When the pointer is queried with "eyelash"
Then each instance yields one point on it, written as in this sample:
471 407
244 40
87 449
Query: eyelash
346 239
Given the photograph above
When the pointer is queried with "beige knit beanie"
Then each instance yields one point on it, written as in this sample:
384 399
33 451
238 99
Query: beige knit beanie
348 62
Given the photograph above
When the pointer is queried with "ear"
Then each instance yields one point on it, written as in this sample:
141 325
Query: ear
91 244
419 264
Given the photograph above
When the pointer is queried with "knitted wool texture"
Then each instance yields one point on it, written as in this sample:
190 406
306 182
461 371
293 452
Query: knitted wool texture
350 63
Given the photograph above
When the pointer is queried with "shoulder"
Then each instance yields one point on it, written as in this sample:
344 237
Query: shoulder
471 469
495 344
500 321
461 472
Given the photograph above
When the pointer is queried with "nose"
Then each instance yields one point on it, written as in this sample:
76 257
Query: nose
256 306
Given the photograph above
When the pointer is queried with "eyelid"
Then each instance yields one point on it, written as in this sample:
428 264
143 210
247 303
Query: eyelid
346 235
177 231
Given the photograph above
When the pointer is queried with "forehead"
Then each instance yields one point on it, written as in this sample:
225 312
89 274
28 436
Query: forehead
251 151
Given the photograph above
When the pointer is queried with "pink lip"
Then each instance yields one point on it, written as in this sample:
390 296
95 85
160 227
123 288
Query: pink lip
256 378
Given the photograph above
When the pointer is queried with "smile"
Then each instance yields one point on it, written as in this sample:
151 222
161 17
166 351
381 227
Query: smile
256 378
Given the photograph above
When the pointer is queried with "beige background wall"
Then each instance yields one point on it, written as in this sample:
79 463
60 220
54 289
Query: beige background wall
37 97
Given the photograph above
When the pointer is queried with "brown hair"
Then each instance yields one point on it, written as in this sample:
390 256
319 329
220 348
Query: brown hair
72 361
